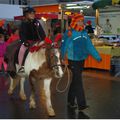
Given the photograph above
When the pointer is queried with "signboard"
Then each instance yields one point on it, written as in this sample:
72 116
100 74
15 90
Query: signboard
115 2
110 23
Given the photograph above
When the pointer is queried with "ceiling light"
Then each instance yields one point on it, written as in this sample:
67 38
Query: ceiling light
70 4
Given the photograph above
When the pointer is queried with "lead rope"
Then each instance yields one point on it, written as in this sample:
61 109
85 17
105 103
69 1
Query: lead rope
68 80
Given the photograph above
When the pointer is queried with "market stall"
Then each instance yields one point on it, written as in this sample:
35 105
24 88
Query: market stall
105 51
108 43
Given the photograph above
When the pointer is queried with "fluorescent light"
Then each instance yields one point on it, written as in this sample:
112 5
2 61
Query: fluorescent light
77 7
74 7
70 4
88 7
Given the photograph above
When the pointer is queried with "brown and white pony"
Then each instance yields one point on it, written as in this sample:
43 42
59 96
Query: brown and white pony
43 64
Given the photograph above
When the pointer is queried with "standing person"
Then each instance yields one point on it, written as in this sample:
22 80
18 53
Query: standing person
2 30
107 26
77 45
57 34
30 32
14 36
3 46
88 27
13 43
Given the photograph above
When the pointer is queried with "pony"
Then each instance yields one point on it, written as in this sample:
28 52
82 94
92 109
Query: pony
42 63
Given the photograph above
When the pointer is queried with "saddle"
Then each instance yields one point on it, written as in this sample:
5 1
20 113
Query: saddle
23 51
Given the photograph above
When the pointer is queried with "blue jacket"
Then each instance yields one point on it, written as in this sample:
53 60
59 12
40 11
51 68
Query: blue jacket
78 46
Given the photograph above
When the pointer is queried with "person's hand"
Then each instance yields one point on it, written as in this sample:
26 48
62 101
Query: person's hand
100 60
62 61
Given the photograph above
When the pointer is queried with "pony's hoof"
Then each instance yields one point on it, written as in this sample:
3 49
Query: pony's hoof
23 97
32 105
10 92
51 113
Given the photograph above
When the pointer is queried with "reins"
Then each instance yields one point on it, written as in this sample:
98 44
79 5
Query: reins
68 80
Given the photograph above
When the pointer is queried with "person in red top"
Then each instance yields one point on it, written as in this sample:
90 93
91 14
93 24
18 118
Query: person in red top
3 46
15 36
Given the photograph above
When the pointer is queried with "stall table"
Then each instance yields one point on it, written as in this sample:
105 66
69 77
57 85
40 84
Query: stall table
106 53
90 62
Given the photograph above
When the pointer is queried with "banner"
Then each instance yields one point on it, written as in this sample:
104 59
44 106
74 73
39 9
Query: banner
109 21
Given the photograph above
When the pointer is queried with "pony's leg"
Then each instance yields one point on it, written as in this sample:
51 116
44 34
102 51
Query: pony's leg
32 103
50 109
22 92
13 83
10 90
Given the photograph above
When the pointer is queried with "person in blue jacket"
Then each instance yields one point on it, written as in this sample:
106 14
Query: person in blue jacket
76 44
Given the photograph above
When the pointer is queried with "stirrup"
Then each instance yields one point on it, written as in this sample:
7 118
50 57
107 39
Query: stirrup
21 69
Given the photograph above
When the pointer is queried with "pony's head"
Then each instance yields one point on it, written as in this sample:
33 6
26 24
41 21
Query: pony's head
54 60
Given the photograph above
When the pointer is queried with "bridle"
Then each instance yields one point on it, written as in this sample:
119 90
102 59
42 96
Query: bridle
55 64
53 47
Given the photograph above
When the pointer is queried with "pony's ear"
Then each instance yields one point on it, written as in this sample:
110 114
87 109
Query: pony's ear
57 41
48 40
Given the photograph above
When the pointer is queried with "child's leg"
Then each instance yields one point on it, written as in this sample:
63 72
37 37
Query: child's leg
21 54
5 65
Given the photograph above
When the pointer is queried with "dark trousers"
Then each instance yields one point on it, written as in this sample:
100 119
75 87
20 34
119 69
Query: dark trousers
76 87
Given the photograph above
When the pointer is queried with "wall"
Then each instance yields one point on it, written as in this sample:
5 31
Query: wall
9 11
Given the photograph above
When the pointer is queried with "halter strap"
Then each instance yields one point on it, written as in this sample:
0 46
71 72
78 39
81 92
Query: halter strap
36 48
55 65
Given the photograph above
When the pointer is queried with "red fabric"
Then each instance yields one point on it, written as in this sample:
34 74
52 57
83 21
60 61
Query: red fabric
2 22
89 22
58 37
13 38
36 48
48 40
